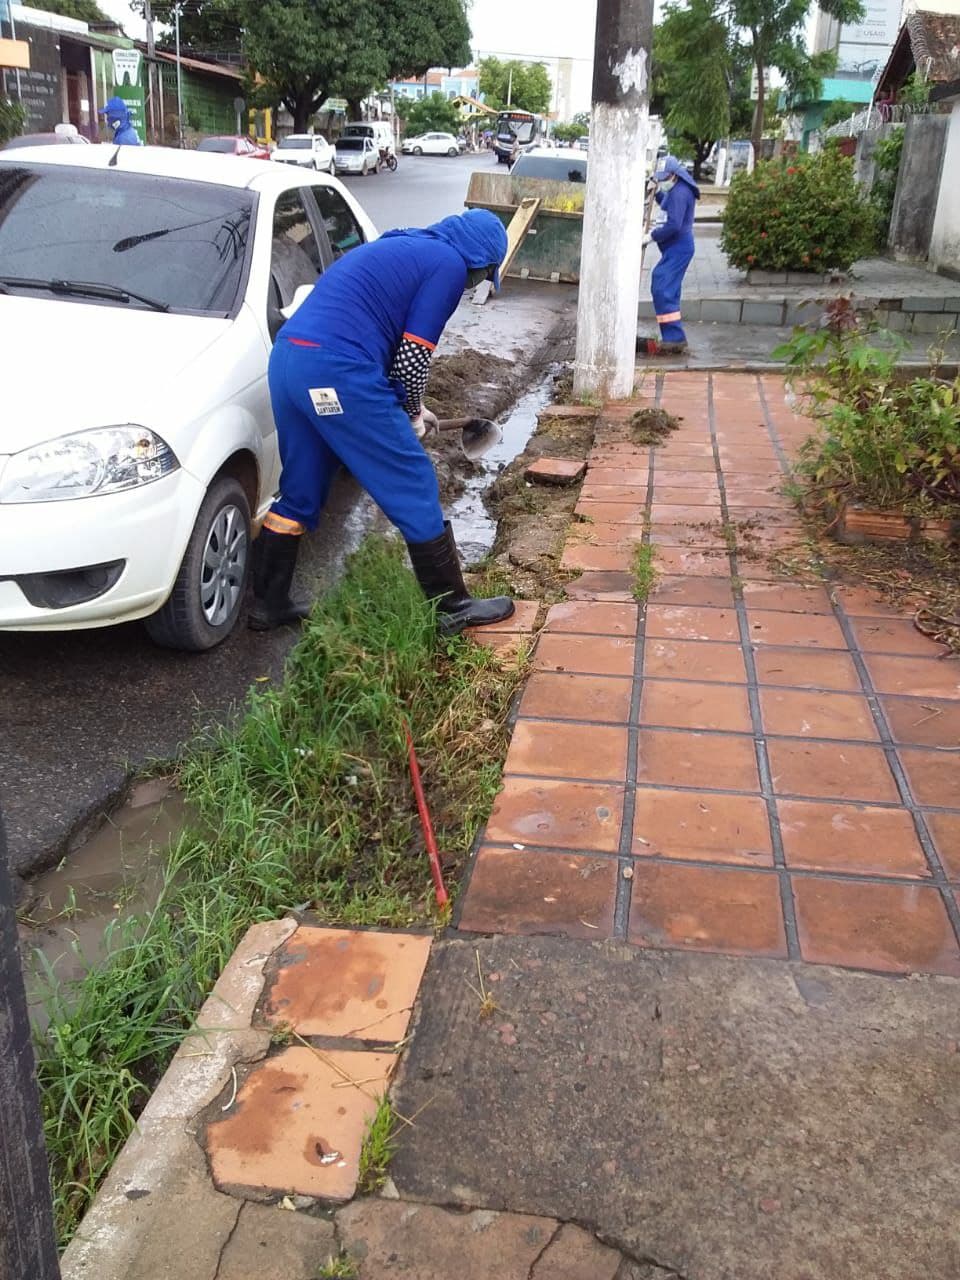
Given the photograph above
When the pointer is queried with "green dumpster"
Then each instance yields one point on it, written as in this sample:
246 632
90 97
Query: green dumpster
551 250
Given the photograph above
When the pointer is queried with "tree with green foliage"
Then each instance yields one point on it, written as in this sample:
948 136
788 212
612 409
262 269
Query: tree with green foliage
304 52
700 88
432 113
774 36
207 27
11 119
82 10
418 37
568 132
837 111
524 85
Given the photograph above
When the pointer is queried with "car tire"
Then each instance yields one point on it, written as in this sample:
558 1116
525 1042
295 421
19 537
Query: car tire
332 168
452 151
418 151
199 615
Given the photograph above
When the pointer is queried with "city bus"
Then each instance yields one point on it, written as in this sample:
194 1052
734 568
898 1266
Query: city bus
517 131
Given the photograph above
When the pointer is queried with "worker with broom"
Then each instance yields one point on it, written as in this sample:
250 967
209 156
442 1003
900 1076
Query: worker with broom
347 376
677 195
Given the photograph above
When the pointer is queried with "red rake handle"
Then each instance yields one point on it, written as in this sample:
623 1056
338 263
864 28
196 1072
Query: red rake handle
425 822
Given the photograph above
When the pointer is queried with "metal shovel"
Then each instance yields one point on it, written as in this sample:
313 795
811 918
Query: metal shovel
477 435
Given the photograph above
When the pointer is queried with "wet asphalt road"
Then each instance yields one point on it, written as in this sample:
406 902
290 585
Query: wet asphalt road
79 710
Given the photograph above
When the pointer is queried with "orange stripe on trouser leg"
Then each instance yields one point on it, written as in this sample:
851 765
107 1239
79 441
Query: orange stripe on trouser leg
281 524
669 317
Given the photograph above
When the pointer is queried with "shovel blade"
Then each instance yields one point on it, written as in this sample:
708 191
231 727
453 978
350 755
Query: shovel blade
478 437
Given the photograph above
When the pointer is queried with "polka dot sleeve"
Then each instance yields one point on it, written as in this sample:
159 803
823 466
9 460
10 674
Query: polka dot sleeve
410 366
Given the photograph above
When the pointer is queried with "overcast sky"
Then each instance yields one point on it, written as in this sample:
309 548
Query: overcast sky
529 29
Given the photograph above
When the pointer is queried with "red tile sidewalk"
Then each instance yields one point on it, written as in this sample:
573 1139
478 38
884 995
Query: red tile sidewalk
745 765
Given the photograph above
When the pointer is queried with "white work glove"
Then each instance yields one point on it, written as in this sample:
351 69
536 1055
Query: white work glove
419 425
646 240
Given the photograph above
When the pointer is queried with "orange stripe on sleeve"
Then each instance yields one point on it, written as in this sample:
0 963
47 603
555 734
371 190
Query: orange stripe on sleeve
412 337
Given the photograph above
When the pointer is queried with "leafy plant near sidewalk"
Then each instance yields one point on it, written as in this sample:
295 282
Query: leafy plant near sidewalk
379 1145
805 214
306 801
886 159
884 440
644 570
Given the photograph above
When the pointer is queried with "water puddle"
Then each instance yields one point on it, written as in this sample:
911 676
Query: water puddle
473 525
116 874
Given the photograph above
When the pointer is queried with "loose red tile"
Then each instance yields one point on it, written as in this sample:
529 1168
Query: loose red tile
343 982
611 512
605 535
687 704
686 495
678 622
599 585
756 500
567 815
945 830
893 635
577 697
530 892
794 629
689 536
271 1139
828 770
847 837
703 826
585 556
675 513
697 464
806 669
600 655
559 471
694 660
689 481
685 759
708 592
891 928
706 909
554 749
704 564
587 617
808 714
784 597
934 776
918 677
923 722
619 475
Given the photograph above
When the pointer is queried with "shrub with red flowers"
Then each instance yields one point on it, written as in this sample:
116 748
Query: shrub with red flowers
805 215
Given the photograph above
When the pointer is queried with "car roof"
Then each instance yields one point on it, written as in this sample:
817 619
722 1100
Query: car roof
288 136
162 162
545 153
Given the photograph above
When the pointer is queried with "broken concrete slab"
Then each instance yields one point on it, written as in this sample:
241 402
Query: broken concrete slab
558 471
272 1243
725 1119
570 411
387 1239
575 1254
159 1188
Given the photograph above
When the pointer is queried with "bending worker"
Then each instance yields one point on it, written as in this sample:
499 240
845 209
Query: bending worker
347 376
677 196
118 118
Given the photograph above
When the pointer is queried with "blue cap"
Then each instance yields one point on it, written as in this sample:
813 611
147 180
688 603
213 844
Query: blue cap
114 107
672 168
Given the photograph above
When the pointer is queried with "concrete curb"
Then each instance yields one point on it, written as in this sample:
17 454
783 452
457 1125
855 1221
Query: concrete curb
160 1175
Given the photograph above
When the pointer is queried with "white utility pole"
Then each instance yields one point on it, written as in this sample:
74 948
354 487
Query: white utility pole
151 57
612 252
176 23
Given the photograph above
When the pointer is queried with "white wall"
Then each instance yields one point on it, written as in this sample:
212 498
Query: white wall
945 240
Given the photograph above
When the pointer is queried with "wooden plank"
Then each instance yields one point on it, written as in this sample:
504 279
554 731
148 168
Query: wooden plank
517 232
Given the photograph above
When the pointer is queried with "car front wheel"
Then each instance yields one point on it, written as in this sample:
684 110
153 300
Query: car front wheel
452 151
207 596
418 151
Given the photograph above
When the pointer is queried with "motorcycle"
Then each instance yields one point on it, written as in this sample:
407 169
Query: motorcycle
388 158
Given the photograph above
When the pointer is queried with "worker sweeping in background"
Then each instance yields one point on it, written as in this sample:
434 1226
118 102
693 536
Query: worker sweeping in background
118 118
347 376
677 195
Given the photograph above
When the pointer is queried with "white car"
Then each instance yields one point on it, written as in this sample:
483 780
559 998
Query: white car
311 150
357 155
431 144
141 289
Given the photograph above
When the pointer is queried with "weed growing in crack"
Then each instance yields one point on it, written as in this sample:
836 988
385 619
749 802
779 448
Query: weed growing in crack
341 1267
644 570
379 1145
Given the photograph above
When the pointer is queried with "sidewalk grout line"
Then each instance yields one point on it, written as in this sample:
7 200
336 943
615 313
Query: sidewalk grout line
787 903
890 748
623 899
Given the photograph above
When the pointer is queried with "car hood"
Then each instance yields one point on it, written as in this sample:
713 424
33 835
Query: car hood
70 366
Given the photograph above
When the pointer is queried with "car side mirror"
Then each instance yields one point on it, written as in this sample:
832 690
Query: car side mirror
300 296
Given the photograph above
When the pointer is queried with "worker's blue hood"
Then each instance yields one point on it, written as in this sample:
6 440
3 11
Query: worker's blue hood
477 235
116 111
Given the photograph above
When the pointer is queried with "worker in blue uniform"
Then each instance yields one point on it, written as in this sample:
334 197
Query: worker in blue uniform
677 195
118 118
347 376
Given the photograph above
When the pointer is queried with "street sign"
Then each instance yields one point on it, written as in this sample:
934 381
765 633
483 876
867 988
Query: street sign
126 67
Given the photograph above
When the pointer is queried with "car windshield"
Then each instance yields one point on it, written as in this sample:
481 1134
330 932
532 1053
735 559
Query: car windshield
180 243
358 131
557 168
350 144
295 144
217 144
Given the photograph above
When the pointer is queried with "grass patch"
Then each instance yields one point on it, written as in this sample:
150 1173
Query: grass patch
306 802
379 1145
341 1267
644 570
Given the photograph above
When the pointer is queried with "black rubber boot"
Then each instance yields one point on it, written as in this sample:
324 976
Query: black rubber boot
274 560
437 568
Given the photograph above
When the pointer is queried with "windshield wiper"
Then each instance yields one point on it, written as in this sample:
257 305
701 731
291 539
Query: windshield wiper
84 289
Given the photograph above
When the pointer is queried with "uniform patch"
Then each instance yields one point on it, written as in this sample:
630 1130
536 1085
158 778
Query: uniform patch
325 401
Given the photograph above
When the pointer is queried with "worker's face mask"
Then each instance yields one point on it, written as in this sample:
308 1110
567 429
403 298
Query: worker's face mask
668 184
477 275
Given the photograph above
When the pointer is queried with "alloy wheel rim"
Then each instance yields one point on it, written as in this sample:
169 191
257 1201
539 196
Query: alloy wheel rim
224 564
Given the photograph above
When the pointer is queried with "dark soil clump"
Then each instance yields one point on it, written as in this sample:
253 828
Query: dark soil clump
652 426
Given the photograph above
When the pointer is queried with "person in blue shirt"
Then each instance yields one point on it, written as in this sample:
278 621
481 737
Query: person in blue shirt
347 376
118 118
677 196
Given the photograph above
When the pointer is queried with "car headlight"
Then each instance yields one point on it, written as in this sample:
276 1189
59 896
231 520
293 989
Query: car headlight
88 463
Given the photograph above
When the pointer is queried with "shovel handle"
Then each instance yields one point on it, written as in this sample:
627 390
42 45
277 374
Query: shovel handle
457 424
